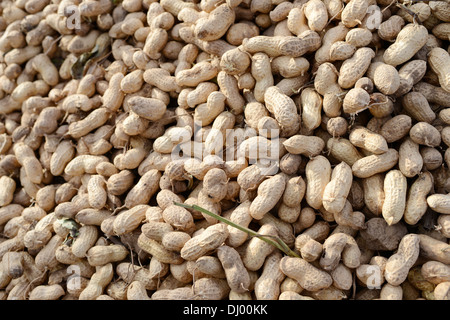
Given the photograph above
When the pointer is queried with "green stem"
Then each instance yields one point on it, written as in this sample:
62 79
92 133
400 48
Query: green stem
278 244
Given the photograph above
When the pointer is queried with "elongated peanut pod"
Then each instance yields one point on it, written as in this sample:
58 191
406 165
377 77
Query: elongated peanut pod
439 60
309 277
318 175
395 188
269 192
284 110
336 191
409 40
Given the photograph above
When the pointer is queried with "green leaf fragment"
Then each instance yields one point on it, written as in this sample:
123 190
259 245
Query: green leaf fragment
278 243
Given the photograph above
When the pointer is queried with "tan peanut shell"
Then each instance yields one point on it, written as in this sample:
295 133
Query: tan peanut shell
102 255
439 203
396 128
309 146
257 250
294 192
441 292
410 74
205 242
311 108
158 251
438 60
354 12
268 285
129 220
214 184
355 101
410 160
435 272
86 238
417 106
363 138
308 276
386 79
408 41
390 28
399 264
98 282
179 218
336 191
333 248
146 187
240 216
373 164
341 50
433 249
382 106
343 150
270 192
318 175
216 24
289 67
334 34
284 110
424 133
395 188
237 276
7 192
317 15
354 68
326 78
53 292
359 37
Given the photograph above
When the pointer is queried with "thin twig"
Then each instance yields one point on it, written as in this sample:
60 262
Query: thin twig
278 243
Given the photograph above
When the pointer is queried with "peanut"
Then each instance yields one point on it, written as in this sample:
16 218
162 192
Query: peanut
268 285
354 68
103 255
409 40
207 241
98 282
257 250
439 59
395 187
266 199
309 277
237 276
399 264
336 191
318 175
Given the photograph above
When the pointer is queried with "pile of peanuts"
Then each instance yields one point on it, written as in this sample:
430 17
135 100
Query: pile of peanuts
105 107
